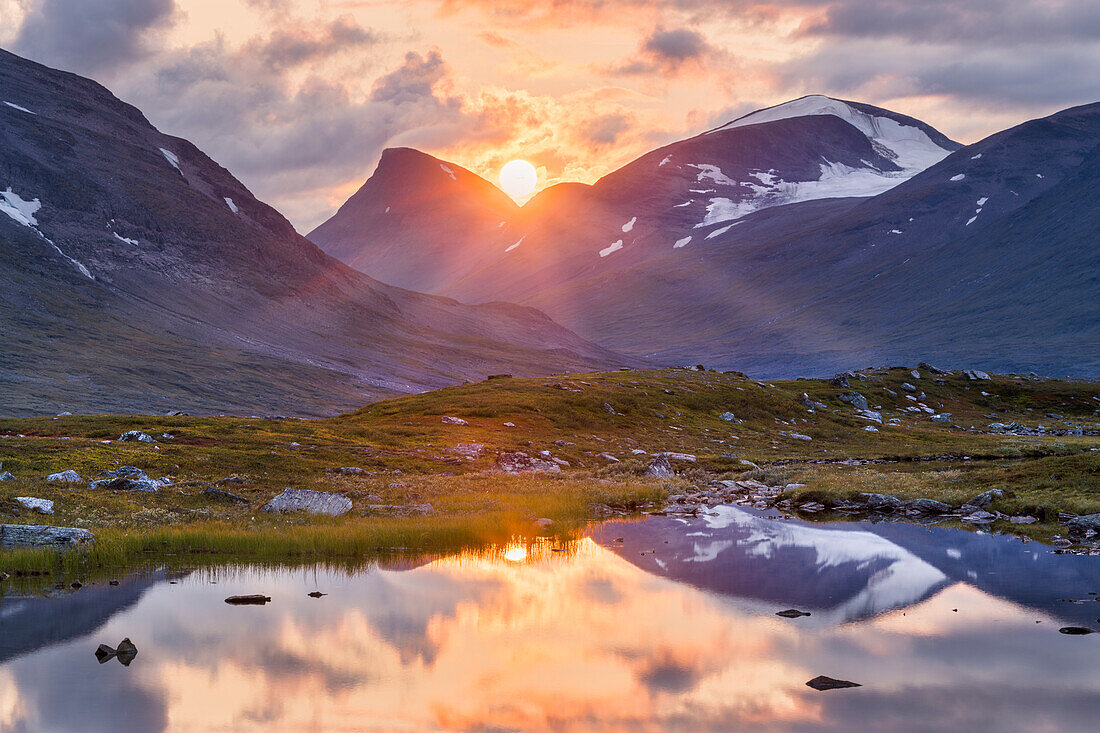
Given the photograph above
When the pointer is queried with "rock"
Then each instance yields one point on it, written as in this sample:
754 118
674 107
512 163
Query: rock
929 368
104 653
126 652
32 535
215 494
870 428
748 463
728 417
470 451
5 476
400 510
942 417
112 582
677 456
167 436
975 375
70 476
123 483
76 585
812 507
520 462
609 409
986 498
908 387
840 380
660 468
124 471
1075 630
509 424
448 420
821 682
855 399
792 613
1085 521
316 594
136 436
638 452
175 413
870 415
880 501
928 506
42 506
256 599
347 471
1023 520
914 374
979 517
312 502
806 401
609 457
800 436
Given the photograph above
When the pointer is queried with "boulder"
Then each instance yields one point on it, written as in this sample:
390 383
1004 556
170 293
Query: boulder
855 399
347 471
792 613
609 409
677 456
42 506
880 501
821 682
470 451
448 420
520 462
123 471
928 506
609 457
914 374
929 368
126 483
840 380
800 436
1085 521
69 476
126 652
908 387
255 599
311 502
728 417
942 417
1023 520
981 501
870 415
5 476
136 436
33 535
215 494
870 428
979 517
660 467
975 375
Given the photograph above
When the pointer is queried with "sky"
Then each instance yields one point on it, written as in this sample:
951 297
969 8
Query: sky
299 97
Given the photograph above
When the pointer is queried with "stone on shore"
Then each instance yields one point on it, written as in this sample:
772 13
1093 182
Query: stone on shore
311 502
660 468
33 535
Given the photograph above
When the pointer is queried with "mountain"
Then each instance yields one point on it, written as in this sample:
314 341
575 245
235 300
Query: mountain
142 276
815 236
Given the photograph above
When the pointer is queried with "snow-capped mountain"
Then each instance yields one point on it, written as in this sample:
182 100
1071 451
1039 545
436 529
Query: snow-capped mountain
815 235
141 276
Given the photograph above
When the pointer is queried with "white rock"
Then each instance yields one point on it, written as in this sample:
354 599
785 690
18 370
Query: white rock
42 506
448 420
70 476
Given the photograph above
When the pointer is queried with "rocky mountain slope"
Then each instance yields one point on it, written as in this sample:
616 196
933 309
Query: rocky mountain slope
815 235
142 276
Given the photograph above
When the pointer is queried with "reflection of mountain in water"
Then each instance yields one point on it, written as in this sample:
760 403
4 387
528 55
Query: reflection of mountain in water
852 571
840 574
30 623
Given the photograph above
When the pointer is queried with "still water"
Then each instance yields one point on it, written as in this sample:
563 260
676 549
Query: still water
671 628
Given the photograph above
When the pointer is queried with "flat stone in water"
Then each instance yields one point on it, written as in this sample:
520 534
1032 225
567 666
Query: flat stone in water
1074 630
256 599
821 682
792 613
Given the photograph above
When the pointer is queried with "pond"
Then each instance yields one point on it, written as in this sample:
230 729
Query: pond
652 625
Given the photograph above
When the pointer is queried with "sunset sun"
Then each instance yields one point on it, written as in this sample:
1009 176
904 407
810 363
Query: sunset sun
518 178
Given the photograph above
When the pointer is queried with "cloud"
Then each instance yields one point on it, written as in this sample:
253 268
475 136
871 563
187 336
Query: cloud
293 46
667 53
90 36
606 129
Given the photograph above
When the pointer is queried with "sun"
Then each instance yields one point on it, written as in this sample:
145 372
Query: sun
518 178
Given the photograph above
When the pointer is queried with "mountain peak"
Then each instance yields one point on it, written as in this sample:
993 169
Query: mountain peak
910 143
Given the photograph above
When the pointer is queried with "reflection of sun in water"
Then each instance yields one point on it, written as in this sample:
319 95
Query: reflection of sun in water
518 178
516 553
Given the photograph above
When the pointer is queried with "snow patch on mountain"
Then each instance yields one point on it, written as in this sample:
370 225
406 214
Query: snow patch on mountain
232 206
127 240
911 148
518 243
712 173
613 247
629 225
448 171
722 230
19 208
958 177
171 158
13 105
666 160
681 242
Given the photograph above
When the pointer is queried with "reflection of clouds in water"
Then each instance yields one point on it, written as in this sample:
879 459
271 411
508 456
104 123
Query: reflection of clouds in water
583 643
